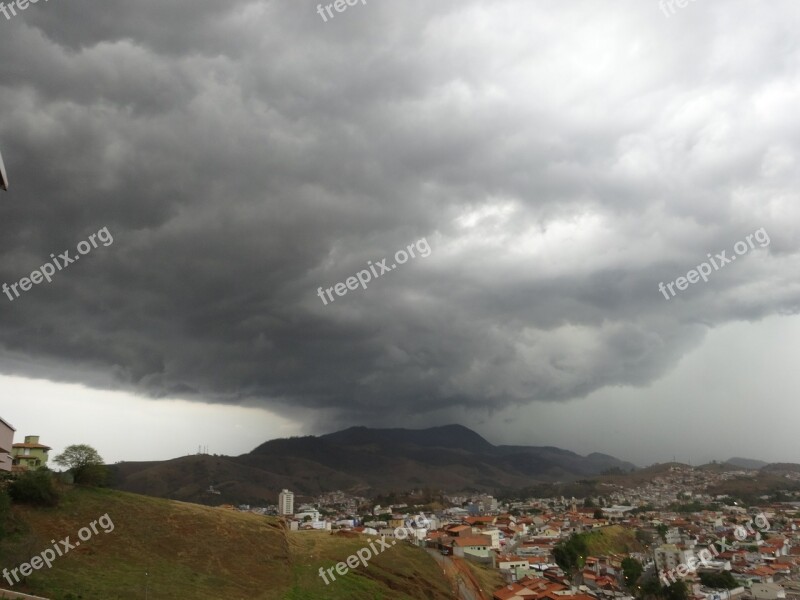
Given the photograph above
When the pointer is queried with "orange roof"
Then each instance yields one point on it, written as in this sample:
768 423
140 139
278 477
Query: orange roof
473 540
761 571
606 581
544 586
506 557
512 590
481 519
24 445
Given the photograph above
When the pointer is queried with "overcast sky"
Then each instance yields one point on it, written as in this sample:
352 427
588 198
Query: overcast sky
550 162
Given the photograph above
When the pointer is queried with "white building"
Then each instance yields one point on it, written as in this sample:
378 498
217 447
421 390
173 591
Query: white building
673 536
6 441
494 535
285 503
669 556
767 591
313 516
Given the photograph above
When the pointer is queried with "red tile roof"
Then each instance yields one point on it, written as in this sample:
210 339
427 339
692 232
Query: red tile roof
475 540
512 590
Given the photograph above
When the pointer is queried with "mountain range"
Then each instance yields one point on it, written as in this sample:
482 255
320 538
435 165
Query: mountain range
362 461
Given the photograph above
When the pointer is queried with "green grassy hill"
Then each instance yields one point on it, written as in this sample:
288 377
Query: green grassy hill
192 552
612 540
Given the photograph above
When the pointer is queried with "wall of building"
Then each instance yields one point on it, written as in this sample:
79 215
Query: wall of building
6 441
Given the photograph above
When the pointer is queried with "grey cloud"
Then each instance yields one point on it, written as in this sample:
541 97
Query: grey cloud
561 160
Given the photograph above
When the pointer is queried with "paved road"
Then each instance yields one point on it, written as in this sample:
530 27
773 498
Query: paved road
466 589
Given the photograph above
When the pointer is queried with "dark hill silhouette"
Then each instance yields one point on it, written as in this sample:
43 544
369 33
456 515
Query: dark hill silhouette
362 460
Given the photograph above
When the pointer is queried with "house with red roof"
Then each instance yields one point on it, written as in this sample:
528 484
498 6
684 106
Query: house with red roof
513 591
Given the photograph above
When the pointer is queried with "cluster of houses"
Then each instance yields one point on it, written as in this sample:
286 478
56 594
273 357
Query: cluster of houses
22 456
764 560
763 567
520 546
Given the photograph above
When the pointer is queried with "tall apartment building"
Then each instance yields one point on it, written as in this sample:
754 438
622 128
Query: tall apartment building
6 443
286 503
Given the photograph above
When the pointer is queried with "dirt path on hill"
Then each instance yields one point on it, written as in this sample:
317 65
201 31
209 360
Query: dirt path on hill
460 577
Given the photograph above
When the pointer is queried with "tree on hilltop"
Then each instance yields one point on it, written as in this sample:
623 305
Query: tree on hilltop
85 464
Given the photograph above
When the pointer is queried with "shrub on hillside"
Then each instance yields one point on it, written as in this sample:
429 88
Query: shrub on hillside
5 510
35 487
92 475
718 581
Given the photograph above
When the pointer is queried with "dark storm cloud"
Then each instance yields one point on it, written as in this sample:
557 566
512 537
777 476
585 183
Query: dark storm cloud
561 161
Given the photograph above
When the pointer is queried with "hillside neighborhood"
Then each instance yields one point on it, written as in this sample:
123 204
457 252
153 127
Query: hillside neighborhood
752 553
665 535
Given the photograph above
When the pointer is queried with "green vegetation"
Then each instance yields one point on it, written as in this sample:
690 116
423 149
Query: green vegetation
632 570
612 540
662 531
644 537
692 507
487 578
571 554
723 581
643 509
577 489
747 490
400 573
677 591
85 464
37 488
5 511
652 588
614 471
178 551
